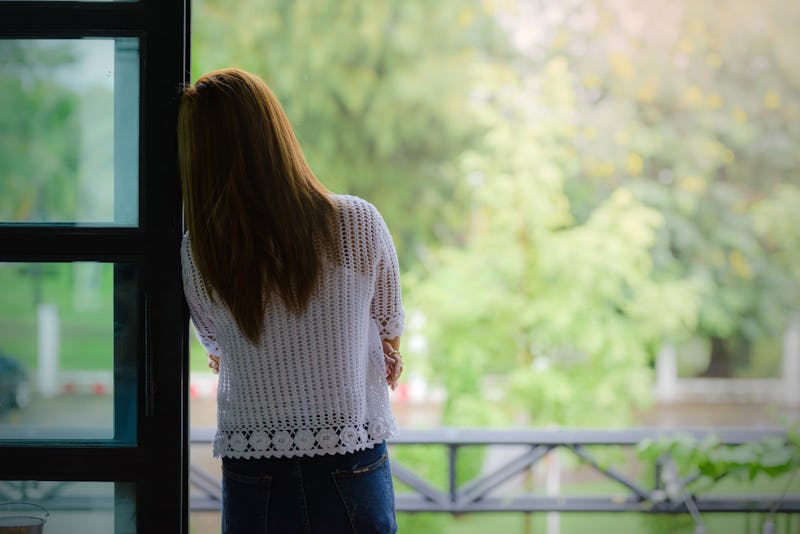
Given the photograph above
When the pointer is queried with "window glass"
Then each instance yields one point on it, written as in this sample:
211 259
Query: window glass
67 507
69 142
67 351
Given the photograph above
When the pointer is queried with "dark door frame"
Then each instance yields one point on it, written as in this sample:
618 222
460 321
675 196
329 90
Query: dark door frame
158 461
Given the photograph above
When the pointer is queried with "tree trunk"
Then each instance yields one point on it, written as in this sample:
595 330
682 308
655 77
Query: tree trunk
726 355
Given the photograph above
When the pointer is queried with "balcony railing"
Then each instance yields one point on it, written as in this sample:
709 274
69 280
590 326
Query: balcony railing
502 486
528 448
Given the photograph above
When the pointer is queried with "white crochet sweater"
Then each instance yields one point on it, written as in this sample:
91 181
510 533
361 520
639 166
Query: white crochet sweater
315 384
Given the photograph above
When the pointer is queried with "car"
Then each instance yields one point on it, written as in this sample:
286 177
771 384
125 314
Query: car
15 385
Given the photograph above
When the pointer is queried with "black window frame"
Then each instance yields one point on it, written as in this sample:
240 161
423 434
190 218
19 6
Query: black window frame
157 463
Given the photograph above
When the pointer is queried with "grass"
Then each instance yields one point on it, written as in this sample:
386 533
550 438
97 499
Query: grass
86 316
86 319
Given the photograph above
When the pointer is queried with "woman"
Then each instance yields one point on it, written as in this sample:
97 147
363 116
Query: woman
295 295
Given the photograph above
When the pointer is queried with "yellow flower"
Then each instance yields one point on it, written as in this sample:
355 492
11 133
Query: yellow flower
728 156
713 60
622 138
493 6
557 66
712 148
561 40
591 80
599 169
607 169
739 115
621 65
714 101
740 265
647 92
693 96
772 100
622 196
465 17
635 164
692 184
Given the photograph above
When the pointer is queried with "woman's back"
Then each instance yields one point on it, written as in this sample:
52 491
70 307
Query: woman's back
315 382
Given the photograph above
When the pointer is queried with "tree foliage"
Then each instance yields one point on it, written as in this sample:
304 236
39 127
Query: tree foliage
571 184
356 79
542 300
38 141
694 107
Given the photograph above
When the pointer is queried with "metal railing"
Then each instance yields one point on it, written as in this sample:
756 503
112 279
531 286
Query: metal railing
501 485
478 494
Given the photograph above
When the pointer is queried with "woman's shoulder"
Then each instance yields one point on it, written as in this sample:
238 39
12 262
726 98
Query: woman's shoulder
356 208
352 202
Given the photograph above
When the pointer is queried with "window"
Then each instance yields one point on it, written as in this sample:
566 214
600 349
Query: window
92 319
69 145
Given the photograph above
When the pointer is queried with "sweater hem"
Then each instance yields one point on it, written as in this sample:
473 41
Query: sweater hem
251 444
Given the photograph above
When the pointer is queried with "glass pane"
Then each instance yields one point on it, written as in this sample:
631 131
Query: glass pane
67 507
67 351
69 142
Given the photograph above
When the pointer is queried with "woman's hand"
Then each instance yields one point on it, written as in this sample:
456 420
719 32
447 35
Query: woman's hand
394 364
213 363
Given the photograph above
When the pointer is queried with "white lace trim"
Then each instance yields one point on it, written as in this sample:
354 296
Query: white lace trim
302 442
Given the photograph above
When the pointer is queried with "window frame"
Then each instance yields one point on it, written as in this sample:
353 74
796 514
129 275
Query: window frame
158 461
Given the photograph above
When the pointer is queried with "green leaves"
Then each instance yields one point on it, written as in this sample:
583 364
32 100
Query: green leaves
566 196
40 137
378 92
772 456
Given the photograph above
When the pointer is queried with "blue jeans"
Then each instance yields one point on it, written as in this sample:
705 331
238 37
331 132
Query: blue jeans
338 493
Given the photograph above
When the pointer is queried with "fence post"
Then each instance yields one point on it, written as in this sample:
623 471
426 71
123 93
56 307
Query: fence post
49 342
553 489
791 362
667 374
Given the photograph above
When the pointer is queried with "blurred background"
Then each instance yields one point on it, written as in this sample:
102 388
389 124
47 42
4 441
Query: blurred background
595 206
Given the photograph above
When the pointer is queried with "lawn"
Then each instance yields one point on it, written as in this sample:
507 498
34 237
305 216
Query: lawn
82 294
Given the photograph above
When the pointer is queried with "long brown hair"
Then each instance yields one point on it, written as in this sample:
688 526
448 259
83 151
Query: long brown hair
259 221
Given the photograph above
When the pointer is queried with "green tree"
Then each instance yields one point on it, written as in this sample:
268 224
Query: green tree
38 142
777 219
375 90
693 106
561 312
517 163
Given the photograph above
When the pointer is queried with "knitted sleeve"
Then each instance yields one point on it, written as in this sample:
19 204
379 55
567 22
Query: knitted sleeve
387 300
192 287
